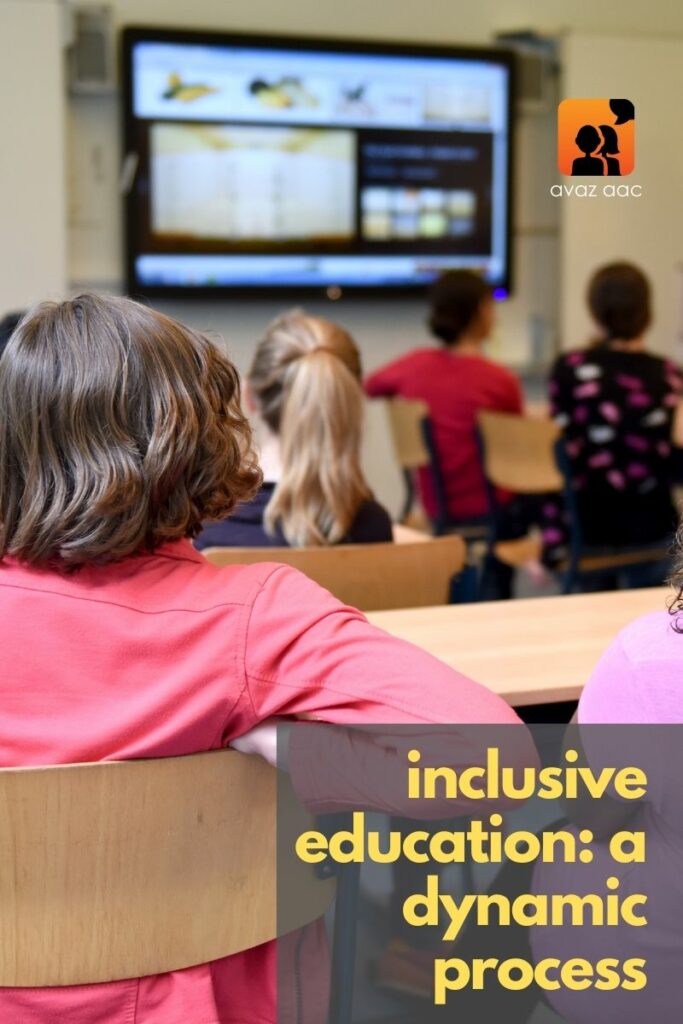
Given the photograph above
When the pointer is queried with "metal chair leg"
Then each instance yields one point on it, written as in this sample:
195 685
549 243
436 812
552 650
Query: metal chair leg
344 945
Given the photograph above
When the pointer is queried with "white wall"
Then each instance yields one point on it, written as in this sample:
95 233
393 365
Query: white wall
95 255
438 21
648 230
33 204
32 190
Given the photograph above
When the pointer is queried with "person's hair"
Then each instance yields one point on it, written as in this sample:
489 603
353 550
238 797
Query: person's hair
121 430
676 582
305 380
610 146
619 300
456 299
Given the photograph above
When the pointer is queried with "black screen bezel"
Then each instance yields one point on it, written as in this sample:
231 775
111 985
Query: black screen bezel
131 35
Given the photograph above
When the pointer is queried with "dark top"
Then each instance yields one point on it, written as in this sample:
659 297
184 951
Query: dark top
590 166
244 528
616 411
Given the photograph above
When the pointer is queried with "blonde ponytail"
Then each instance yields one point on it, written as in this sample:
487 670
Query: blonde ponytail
305 378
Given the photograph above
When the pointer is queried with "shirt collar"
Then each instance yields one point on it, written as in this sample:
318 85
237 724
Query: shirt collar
182 550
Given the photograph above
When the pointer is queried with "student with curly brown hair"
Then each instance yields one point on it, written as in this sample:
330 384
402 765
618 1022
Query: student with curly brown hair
121 433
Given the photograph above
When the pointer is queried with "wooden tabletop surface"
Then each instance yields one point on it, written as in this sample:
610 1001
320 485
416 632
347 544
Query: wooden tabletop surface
531 650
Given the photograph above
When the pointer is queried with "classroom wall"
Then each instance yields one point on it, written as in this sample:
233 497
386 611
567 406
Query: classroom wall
647 229
532 324
528 321
32 186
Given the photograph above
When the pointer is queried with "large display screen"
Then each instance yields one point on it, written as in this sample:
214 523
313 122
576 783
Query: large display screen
277 164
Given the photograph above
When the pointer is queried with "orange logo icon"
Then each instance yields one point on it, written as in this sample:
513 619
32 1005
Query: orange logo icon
596 138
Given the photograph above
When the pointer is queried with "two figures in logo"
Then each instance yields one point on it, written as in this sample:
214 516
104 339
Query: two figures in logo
600 146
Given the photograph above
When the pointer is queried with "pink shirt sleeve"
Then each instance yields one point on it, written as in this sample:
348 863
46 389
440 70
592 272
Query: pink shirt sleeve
637 683
307 654
614 694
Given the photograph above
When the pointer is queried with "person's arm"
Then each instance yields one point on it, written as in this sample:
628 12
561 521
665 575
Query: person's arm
387 381
615 695
306 653
677 426
407 535
675 385
308 656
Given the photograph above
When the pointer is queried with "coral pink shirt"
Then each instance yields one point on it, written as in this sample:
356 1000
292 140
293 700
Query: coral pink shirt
165 655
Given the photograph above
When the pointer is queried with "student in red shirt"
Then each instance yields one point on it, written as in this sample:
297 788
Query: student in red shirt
456 381
121 431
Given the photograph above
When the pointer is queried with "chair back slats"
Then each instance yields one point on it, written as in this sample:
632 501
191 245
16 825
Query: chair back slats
371 577
519 453
123 869
406 417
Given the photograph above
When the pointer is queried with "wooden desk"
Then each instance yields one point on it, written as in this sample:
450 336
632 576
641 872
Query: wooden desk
530 651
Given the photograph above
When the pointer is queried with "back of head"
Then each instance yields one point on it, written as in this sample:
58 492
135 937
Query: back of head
588 139
121 430
456 301
305 379
619 301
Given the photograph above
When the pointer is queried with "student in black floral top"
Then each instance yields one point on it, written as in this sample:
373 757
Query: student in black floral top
616 403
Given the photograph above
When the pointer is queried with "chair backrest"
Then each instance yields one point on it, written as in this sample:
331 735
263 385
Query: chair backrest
519 453
123 869
371 577
406 417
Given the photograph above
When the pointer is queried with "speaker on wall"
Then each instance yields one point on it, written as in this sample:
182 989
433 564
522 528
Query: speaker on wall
537 69
92 66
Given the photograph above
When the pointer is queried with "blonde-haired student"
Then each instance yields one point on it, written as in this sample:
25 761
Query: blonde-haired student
304 385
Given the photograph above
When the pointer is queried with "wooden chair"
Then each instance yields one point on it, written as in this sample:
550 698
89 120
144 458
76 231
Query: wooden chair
518 453
372 577
525 454
124 869
407 535
413 440
406 419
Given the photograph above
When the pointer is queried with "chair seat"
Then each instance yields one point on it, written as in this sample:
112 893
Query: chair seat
469 529
472 533
595 562
517 553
